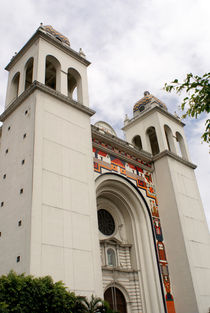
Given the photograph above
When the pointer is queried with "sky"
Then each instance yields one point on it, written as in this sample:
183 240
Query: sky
133 45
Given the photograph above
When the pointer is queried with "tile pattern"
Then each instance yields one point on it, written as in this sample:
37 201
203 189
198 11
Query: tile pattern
56 34
121 152
104 162
148 99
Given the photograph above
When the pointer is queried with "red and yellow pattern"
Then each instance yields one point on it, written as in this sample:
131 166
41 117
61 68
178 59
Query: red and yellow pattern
104 162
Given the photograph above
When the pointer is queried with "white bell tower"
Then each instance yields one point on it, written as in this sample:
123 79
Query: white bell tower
184 226
48 220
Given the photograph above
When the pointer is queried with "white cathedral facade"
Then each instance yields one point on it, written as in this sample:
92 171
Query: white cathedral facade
118 219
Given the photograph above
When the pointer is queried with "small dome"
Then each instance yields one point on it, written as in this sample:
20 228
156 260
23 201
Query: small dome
148 99
105 127
49 29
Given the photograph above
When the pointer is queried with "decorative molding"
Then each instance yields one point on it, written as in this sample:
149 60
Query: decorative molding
118 269
148 112
39 86
46 36
120 144
175 157
122 157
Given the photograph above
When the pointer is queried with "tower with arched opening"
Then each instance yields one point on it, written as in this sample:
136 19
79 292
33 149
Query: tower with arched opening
180 208
46 132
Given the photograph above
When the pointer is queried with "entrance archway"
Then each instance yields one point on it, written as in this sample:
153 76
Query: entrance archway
133 242
116 299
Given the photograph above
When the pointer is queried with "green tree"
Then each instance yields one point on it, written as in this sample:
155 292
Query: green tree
105 308
198 97
23 294
95 305
92 306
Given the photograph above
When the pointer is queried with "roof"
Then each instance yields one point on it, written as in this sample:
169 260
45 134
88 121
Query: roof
56 34
148 99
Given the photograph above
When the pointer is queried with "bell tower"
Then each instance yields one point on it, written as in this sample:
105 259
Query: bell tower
48 220
184 226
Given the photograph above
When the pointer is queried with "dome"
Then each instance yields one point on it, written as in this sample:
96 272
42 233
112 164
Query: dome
148 99
49 29
105 127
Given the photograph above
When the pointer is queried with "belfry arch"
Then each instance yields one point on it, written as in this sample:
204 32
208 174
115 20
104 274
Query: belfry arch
29 72
74 85
136 141
133 239
14 87
181 145
169 138
152 139
52 73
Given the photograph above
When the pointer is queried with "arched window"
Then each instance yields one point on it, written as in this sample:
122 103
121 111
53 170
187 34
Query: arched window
137 142
181 146
74 85
29 73
111 257
169 138
14 87
116 299
151 133
52 73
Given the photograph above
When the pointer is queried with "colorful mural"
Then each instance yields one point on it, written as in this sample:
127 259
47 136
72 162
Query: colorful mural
104 162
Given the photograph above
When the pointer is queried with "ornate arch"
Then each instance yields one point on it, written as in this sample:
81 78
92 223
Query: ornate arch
139 222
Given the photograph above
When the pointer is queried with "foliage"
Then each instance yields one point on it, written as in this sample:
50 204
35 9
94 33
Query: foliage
91 306
198 99
23 294
95 305
105 308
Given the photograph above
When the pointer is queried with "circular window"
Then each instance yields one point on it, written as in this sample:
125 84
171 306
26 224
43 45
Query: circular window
106 223
141 108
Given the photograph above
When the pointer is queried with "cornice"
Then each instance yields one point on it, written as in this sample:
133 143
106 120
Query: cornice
118 269
122 146
148 112
49 38
115 242
173 156
39 86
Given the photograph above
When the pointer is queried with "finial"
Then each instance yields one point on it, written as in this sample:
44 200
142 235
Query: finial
176 115
126 120
126 117
41 24
146 93
82 53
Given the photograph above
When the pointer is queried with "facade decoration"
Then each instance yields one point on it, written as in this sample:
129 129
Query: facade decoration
105 162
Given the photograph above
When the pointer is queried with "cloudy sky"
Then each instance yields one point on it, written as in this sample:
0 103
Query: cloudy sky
134 45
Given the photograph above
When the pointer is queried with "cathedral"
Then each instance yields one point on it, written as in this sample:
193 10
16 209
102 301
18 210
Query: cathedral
120 219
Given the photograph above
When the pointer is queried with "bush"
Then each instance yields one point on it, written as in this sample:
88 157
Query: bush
24 294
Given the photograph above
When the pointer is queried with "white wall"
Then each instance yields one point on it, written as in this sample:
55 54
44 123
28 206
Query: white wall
64 225
186 235
15 240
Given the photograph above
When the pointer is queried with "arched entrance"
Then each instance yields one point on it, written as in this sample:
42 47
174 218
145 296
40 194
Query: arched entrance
116 299
127 246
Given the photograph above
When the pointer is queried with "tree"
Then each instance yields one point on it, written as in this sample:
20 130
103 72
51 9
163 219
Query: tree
198 99
93 306
23 294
